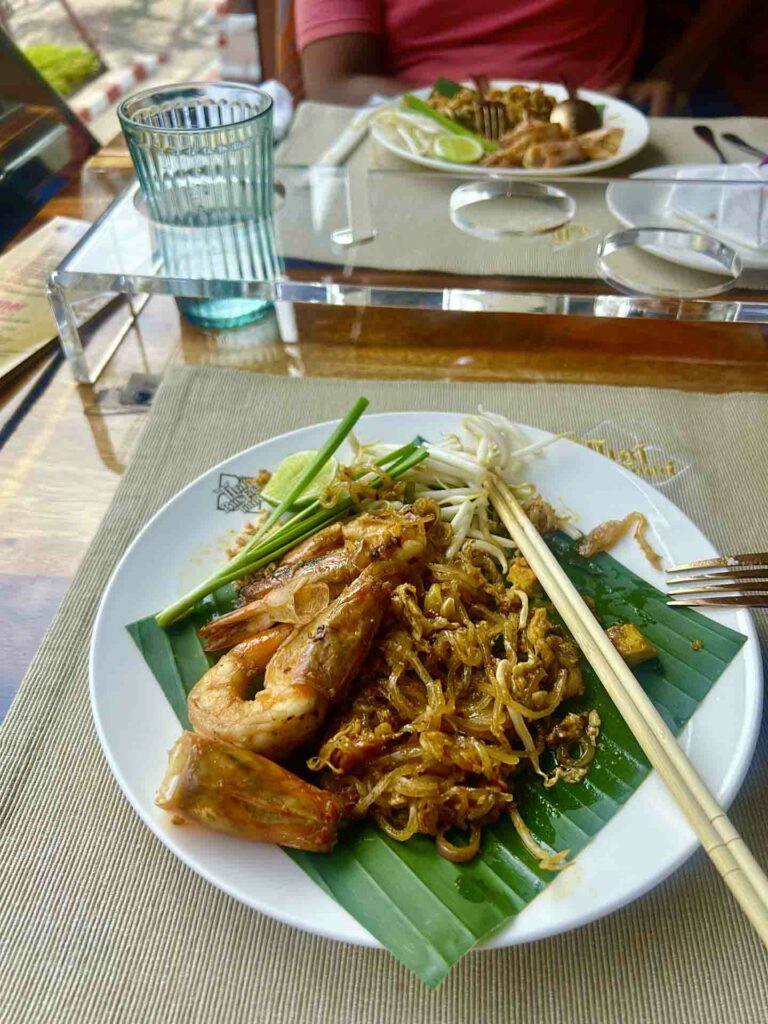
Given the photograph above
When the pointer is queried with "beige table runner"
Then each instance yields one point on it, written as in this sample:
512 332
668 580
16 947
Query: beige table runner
100 923
411 217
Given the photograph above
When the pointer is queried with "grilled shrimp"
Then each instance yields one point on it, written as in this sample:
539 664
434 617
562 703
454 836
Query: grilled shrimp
331 559
288 591
371 536
308 673
318 544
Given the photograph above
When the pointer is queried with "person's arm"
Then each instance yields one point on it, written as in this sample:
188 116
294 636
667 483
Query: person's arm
669 83
347 69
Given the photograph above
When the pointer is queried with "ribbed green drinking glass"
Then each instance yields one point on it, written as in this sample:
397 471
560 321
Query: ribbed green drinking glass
203 155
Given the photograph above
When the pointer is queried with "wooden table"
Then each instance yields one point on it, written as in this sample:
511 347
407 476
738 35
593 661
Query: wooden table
66 445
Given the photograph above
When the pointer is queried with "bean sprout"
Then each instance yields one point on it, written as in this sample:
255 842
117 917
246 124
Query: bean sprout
458 467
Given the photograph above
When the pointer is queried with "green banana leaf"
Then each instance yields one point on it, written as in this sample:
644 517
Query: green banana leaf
427 911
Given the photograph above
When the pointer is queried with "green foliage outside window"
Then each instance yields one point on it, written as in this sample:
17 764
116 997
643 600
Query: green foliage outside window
63 67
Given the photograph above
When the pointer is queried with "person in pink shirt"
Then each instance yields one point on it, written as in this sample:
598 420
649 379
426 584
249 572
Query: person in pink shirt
351 49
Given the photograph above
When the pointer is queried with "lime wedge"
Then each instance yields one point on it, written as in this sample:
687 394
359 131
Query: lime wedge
289 471
458 149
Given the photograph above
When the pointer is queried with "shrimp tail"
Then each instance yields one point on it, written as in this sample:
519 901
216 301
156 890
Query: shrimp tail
294 603
256 650
236 627
318 544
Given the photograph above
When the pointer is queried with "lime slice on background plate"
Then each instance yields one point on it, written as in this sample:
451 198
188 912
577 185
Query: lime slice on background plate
459 149
289 471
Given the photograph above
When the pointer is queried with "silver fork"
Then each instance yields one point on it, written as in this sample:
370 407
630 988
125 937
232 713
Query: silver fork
738 581
490 115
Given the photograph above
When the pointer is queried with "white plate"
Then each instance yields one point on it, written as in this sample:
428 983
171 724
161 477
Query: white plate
639 206
616 114
646 840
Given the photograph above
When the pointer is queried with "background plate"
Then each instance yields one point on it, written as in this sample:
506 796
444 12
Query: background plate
616 114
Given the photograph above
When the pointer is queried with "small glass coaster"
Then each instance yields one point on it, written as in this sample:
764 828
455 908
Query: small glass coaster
667 262
498 208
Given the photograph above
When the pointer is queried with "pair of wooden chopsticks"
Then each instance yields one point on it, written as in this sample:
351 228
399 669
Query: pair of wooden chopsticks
730 855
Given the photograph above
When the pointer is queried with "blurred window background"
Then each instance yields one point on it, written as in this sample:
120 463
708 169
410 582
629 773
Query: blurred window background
65 65
93 52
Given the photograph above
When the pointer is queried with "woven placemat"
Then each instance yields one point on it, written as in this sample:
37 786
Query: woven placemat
100 923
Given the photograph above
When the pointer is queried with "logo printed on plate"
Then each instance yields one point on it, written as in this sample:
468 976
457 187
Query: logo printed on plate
237 493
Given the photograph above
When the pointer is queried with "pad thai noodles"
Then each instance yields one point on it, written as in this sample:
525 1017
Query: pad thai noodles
400 662
521 103
458 698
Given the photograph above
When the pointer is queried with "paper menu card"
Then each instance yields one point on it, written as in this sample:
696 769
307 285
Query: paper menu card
26 320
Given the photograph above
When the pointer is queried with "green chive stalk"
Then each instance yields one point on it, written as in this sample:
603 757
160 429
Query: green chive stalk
312 518
421 107
284 541
329 448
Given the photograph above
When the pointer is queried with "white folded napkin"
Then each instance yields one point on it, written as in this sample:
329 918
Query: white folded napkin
737 213
346 143
282 107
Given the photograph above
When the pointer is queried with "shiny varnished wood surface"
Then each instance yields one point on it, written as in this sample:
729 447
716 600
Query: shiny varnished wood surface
65 445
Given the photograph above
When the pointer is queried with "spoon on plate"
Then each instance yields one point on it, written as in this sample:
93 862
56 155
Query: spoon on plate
705 133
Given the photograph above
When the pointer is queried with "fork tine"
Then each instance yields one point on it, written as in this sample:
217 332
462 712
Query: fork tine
757 558
715 588
490 118
726 574
501 119
748 601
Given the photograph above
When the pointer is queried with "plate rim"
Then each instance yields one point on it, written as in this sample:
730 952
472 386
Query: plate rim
734 777
591 167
